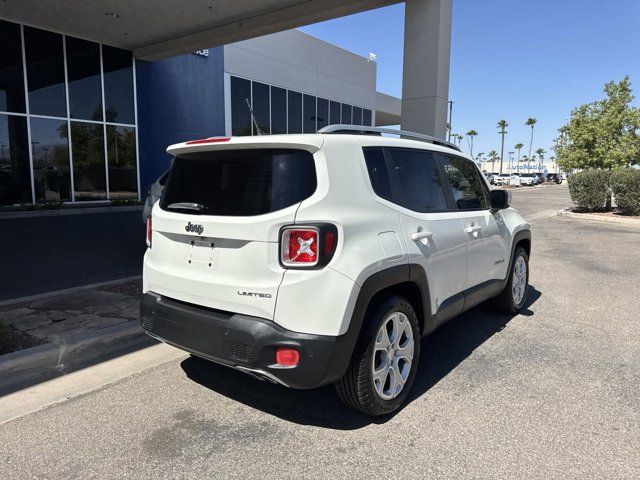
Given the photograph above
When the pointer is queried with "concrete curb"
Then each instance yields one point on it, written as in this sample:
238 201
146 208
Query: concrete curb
70 211
565 212
26 367
39 296
81 382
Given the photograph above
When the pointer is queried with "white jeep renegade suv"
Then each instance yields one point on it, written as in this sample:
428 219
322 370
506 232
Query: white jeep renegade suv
325 258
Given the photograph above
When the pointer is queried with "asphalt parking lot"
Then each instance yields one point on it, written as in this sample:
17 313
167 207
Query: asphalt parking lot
549 393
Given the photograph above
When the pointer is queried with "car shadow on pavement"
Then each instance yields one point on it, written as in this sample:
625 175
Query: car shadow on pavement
441 352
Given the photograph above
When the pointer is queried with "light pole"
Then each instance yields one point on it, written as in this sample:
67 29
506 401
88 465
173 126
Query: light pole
511 161
450 102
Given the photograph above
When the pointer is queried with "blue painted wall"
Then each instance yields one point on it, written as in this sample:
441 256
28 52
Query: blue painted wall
179 99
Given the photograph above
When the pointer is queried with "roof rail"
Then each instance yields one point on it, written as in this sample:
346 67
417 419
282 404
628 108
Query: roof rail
364 130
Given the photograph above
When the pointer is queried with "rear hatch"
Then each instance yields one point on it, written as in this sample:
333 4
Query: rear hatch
216 227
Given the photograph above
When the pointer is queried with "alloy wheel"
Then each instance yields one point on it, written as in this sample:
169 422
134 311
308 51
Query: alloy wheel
392 355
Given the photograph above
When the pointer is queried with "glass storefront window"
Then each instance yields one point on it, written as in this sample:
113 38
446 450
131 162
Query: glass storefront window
45 73
334 113
294 112
278 110
366 117
50 150
346 114
85 87
309 114
261 107
117 65
11 69
357 116
322 113
66 164
240 114
121 154
15 179
87 145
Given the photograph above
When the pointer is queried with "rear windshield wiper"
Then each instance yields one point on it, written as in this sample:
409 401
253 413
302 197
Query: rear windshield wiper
186 206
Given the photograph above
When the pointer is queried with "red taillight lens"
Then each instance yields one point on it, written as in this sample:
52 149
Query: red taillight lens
287 357
329 243
149 232
300 246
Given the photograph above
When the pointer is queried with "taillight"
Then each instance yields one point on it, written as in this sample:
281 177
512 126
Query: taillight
149 232
287 357
300 246
307 246
208 140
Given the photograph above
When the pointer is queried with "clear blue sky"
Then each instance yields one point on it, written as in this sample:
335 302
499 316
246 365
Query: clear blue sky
510 59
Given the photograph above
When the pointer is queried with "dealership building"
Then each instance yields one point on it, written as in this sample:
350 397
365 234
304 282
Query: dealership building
87 111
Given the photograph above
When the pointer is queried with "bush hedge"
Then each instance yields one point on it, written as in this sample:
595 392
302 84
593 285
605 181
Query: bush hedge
625 184
589 189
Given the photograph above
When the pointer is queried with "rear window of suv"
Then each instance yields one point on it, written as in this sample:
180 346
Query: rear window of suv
239 182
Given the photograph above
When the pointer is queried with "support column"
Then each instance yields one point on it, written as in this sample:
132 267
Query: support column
425 75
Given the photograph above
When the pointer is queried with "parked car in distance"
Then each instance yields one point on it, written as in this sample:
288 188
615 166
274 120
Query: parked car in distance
508 179
261 257
540 178
554 177
491 176
529 179
153 195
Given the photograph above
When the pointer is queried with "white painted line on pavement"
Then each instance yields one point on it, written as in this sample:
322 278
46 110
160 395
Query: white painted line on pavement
83 381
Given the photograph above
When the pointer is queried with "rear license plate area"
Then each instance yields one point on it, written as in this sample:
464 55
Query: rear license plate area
201 253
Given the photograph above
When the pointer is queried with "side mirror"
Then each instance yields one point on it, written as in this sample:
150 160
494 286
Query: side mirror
500 199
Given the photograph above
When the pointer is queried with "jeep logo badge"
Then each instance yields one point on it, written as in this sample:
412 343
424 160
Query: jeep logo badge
193 227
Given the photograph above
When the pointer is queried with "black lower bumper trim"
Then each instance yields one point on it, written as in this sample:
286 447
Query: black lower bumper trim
244 342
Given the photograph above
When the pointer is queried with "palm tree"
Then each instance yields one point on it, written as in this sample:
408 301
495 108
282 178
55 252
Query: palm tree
492 156
531 122
518 146
458 138
502 125
541 152
470 135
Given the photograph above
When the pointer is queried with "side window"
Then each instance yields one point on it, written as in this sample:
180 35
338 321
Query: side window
374 158
468 191
420 183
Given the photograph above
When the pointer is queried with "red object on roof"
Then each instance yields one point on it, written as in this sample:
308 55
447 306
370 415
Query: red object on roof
208 140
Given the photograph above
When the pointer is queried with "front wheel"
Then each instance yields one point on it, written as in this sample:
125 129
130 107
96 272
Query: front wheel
514 295
384 363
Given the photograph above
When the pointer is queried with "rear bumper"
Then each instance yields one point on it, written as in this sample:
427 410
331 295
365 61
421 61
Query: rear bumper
244 342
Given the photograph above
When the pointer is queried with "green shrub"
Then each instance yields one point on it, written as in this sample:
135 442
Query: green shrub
625 184
589 189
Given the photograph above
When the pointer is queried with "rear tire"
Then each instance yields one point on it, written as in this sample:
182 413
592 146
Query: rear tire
514 295
384 363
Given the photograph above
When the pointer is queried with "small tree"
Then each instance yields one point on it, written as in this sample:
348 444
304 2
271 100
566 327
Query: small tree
602 134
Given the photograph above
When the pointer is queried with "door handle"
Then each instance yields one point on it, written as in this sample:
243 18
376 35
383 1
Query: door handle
421 235
474 229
